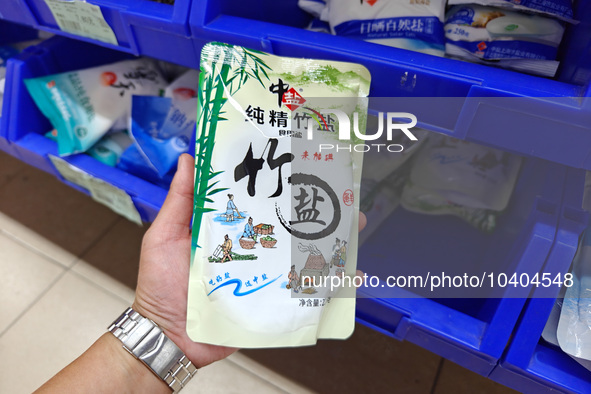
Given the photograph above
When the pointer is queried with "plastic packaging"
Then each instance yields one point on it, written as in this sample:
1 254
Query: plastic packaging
107 150
133 162
508 39
314 7
83 105
461 178
414 25
270 203
184 87
465 173
562 9
162 127
574 327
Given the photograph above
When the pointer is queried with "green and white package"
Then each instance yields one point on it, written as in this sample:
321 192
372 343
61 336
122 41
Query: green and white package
276 209
84 105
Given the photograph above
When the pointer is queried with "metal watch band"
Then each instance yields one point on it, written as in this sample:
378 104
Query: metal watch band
146 342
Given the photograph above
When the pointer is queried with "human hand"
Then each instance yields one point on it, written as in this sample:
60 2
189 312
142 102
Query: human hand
161 293
163 279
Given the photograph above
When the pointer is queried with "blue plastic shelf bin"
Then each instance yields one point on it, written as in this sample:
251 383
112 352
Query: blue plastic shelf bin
470 332
11 33
555 124
530 364
26 133
16 11
142 27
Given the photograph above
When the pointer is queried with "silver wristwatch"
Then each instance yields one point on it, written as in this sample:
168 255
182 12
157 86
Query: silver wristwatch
145 341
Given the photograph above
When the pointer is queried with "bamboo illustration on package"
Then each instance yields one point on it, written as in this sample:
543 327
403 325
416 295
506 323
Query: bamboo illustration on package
208 116
250 283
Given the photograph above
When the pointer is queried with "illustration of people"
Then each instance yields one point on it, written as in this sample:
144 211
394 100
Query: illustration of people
294 280
231 208
343 255
227 249
249 230
336 253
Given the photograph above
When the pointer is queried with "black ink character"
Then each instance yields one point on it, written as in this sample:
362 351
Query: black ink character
279 90
310 212
251 166
306 209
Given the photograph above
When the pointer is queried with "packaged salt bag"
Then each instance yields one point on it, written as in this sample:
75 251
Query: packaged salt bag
133 162
84 105
184 87
465 173
460 178
561 9
508 39
275 215
109 149
574 326
428 201
416 25
162 127
314 7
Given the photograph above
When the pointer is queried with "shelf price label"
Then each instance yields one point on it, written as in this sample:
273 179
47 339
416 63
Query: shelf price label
113 197
82 19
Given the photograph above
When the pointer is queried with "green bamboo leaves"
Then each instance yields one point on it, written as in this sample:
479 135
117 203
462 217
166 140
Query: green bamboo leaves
224 70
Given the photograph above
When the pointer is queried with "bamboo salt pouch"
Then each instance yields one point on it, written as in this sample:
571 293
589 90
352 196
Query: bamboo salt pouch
494 36
275 210
83 105
416 25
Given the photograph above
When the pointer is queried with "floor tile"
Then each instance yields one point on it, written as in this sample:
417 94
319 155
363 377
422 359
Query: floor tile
25 275
9 167
225 377
51 217
54 331
104 280
368 362
458 380
117 253
268 374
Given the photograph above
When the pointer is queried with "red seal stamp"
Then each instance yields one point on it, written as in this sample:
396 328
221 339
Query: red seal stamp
348 197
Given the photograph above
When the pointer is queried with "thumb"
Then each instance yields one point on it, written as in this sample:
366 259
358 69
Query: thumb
178 207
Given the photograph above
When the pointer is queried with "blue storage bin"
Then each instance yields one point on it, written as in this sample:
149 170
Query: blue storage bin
11 33
142 27
470 332
16 11
530 364
551 120
26 133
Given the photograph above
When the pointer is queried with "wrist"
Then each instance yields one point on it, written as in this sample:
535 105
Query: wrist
146 341
132 371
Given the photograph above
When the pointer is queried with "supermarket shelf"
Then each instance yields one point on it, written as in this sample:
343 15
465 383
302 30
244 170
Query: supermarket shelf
141 27
531 364
470 332
550 120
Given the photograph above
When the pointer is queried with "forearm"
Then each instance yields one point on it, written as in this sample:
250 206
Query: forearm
106 367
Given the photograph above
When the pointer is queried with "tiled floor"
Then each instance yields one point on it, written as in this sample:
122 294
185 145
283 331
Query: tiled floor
68 266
